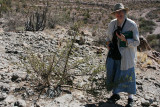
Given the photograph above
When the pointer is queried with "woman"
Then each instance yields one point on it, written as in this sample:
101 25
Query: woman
121 59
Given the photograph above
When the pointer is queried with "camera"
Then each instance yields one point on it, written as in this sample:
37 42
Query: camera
118 30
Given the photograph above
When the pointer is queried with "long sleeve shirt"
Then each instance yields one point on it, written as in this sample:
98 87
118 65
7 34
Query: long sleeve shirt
129 53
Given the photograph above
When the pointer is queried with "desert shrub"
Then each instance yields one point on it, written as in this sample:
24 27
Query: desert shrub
132 17
146 26
54 69
100 41
144 60
5 5
154 41
154 14
86 16
54 19
100 37
76 26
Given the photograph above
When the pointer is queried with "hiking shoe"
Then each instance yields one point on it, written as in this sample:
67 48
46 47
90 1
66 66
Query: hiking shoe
113 98
130 102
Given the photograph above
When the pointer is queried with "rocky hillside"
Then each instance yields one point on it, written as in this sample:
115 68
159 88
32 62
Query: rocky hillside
17 88
91 14
85 87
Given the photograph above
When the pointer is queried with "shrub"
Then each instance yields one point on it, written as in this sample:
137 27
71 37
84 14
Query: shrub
5 5
154 40
132 17
153 14
146 26
54 69
86 16
143 59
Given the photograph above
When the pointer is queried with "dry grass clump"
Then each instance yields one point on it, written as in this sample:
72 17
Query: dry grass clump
143 59
146 26
154 14
154 41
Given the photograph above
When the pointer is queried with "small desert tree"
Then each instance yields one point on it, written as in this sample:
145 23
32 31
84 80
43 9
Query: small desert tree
53 70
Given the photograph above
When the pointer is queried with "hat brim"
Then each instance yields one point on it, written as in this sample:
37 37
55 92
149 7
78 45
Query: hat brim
127 9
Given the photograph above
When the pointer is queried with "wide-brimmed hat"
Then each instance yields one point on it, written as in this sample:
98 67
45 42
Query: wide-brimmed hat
119 7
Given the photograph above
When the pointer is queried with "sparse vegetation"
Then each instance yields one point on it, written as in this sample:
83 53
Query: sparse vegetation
5 6
154 14
86 16
132 17
54 70
154 41
90 12
144 60
67 59
146 26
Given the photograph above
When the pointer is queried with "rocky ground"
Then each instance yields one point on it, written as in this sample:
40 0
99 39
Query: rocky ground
16 89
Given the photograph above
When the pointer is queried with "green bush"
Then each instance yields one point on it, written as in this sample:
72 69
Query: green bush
146 26
154 41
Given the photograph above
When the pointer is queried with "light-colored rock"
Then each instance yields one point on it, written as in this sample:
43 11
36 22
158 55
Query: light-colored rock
10 99
20 103
2 96
145 102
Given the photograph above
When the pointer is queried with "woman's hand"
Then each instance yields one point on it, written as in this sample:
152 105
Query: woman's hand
107 43
108 47
122 37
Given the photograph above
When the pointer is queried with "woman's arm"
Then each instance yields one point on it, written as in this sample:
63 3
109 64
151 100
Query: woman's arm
107 43
109 33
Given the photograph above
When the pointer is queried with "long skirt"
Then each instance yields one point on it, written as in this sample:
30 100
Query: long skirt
119 80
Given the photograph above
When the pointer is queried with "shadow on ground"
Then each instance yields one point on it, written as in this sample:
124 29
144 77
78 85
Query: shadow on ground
103 104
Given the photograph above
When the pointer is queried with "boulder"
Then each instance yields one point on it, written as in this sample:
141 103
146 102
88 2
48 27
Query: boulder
144 46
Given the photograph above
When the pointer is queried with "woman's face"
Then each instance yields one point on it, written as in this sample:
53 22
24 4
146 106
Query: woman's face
120 15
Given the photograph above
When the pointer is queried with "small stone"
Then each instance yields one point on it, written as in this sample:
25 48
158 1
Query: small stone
24 95
3 96
140 87
18 89
5 89
80 40
152 78
50 93
14 77
99 51
151 67
146 97
145 102
18 80
139 82
155 104
20 103
157 84
29 92
10 99
146 78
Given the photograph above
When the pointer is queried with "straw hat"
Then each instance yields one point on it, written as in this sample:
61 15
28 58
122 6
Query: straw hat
119 7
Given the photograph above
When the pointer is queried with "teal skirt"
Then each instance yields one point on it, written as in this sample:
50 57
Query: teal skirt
119 80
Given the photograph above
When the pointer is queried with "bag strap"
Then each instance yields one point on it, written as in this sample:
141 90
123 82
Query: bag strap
123 24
